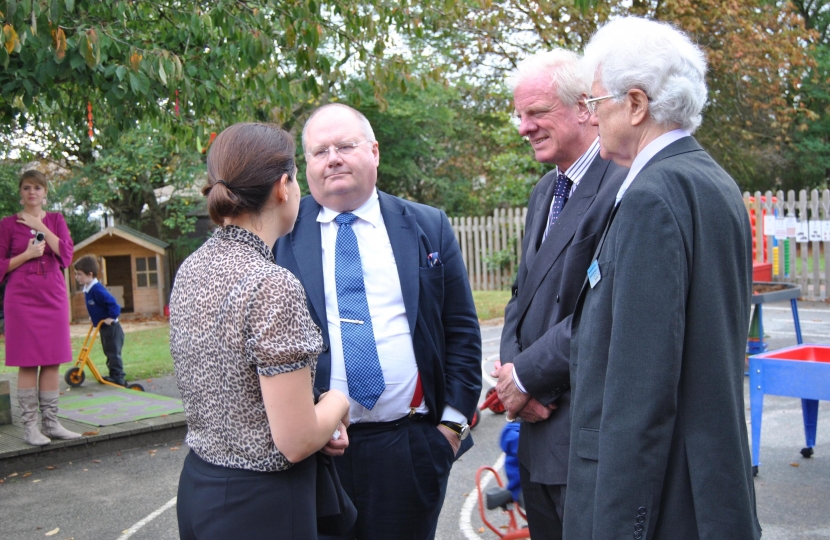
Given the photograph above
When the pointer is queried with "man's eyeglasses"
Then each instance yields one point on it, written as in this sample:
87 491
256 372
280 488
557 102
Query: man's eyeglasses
321 153
591 103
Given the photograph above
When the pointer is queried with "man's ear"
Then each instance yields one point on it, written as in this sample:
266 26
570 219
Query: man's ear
582 113
638 106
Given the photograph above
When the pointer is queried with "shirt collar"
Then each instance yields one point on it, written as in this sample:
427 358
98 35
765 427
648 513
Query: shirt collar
576 171
645 155
368 211
91 284
244 236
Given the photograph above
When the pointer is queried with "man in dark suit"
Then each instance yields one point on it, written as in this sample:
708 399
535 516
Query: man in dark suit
387 286
548 94
659 443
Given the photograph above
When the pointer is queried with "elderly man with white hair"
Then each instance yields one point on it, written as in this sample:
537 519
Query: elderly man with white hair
658 439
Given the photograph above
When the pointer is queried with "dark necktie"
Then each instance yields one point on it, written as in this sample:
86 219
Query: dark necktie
360 352
561 192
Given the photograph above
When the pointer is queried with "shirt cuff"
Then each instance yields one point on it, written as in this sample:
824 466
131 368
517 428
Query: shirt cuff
452 414
517 382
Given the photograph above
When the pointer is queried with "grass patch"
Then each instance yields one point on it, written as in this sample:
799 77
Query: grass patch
490 304
146 354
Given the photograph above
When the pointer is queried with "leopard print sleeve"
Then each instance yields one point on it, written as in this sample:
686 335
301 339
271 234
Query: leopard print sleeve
281 336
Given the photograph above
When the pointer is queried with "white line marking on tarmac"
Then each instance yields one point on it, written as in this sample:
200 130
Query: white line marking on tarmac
790 309
792 333
132 530
465 522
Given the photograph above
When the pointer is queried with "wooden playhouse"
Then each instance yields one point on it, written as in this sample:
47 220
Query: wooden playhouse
134 267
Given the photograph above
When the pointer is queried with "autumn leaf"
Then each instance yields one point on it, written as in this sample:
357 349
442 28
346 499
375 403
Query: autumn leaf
135 61
26 475
59 43
11 38
90 433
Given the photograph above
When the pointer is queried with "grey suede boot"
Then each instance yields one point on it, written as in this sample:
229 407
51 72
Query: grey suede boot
49 410
27 397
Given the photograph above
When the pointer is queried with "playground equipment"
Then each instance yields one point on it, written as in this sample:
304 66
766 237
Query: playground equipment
75 376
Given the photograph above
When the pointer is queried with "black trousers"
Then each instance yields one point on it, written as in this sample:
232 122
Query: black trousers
396 474
544 506
218 503
112 339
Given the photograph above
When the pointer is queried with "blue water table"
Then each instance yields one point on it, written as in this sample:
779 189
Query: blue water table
802 371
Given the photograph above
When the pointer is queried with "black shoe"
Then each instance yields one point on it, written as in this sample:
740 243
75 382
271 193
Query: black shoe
114 381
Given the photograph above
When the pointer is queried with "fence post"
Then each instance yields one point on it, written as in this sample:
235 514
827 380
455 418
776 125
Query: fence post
804 275
825 207
815 245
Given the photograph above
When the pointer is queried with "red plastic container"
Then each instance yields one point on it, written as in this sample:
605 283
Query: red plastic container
804 353
761 271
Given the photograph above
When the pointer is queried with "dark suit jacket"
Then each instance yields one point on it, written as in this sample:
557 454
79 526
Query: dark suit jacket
659 440
547 286
439 304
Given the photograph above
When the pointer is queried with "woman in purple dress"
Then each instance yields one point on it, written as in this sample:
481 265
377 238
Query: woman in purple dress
35 247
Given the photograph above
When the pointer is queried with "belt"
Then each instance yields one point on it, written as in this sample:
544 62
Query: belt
386 426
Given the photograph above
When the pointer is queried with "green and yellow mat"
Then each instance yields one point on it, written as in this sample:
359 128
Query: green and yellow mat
115 406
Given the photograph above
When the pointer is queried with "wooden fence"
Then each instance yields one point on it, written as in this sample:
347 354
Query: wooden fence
793 230
491 247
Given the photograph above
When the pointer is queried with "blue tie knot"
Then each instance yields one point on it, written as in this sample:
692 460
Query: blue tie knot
345 218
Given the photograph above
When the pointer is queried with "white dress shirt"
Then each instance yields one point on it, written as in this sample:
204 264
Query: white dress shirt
388 312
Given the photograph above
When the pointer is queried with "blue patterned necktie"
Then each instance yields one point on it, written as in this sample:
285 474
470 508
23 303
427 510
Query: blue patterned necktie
360 352
561 192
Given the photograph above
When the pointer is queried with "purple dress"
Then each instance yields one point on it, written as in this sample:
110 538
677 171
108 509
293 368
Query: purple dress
36 305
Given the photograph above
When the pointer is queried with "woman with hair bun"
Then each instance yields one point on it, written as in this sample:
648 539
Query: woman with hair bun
35 247
245 351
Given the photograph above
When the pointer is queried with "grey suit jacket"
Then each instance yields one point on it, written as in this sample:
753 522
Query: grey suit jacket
659 442
536 336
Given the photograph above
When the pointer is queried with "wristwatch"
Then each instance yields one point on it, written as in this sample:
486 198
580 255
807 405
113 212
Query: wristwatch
462 430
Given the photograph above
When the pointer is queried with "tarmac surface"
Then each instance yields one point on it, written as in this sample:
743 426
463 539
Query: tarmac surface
129 491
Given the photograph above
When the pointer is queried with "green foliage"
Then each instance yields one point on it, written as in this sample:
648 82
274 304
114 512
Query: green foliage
439 146
220 61
80 227
147 181
9 192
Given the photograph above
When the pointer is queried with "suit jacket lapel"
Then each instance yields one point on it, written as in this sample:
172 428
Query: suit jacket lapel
540 216
308 252
403 235
563 232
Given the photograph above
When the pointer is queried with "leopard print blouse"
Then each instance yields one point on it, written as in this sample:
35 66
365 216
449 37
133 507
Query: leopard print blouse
235 315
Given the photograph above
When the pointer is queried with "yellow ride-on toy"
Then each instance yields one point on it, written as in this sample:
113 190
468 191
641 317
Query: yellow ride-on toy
75 375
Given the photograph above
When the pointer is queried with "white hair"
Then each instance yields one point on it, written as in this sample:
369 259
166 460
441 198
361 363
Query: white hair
656 58
365 126
563 68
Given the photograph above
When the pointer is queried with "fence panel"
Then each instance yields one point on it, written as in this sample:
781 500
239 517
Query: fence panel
791 232
796 237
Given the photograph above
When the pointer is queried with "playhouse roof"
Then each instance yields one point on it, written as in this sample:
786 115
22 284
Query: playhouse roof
129 234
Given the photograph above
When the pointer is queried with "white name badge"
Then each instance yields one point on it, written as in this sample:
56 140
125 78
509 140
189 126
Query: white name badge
593 274
825 231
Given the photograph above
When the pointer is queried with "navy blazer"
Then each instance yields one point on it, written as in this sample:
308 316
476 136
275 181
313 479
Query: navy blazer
439 304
